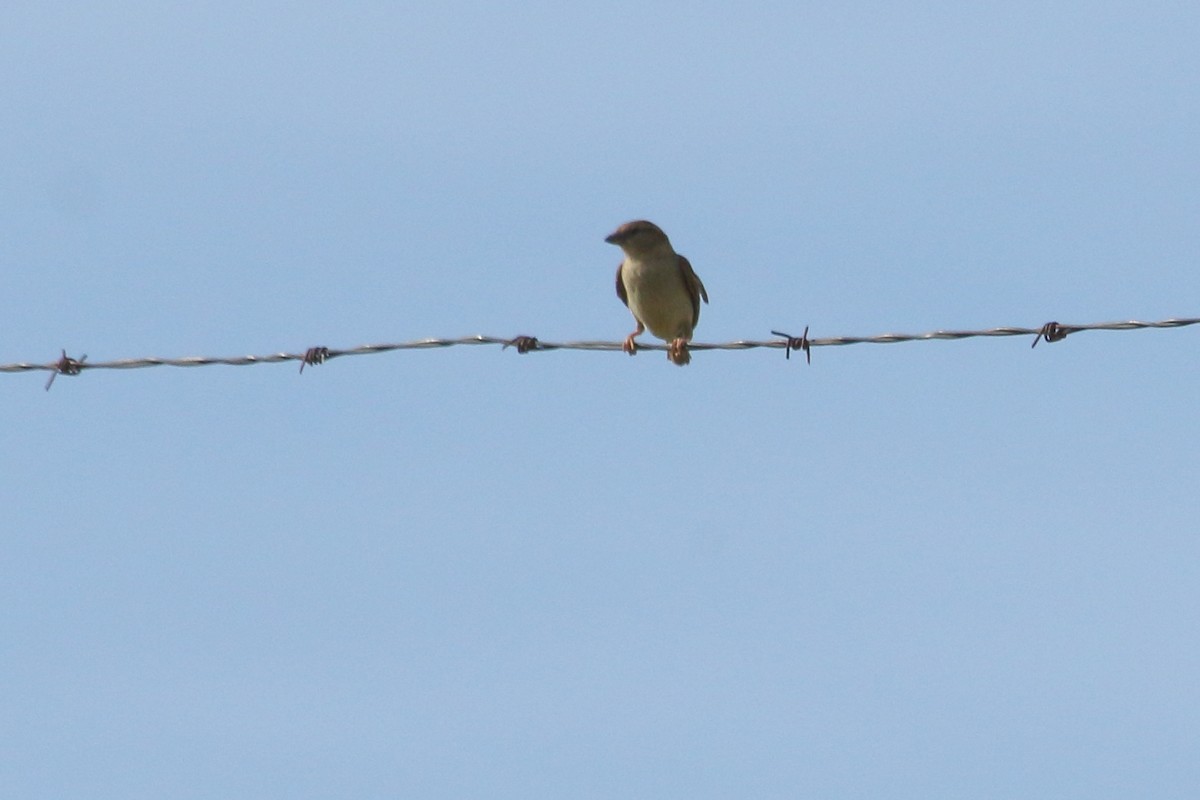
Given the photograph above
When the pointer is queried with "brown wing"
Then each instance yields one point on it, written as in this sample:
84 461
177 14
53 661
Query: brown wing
621 293
695 288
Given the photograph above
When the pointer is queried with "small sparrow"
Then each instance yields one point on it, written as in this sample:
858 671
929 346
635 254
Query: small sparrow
659 287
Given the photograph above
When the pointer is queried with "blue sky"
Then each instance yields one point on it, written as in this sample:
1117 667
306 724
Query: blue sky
941 569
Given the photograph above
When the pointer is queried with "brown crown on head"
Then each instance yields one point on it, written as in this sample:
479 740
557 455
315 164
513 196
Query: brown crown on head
635 230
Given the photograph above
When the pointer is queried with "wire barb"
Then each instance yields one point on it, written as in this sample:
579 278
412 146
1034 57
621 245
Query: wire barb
314 356
797 343
524 344
1052 332
66 366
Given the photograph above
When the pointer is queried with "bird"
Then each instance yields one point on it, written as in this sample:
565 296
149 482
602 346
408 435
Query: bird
659 286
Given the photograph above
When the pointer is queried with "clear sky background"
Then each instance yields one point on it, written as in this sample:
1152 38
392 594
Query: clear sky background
944 569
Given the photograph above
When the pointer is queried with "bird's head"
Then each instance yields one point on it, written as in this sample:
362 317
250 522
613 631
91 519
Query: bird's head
639 237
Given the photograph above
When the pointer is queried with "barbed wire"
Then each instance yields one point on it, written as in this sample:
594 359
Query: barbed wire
1050 332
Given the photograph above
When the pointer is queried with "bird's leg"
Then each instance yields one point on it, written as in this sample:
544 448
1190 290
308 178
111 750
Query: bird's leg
630 345
678 352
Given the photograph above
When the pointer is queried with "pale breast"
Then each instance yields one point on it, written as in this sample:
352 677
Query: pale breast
658 297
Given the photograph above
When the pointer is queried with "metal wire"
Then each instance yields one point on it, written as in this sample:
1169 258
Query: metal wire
1051 331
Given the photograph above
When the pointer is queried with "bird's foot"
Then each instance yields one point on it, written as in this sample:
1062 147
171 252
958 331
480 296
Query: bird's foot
677 351
630 345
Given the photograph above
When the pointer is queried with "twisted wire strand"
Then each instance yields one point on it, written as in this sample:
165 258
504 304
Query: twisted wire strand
1050 332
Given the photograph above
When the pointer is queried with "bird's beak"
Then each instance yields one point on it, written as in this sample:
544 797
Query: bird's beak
613 238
